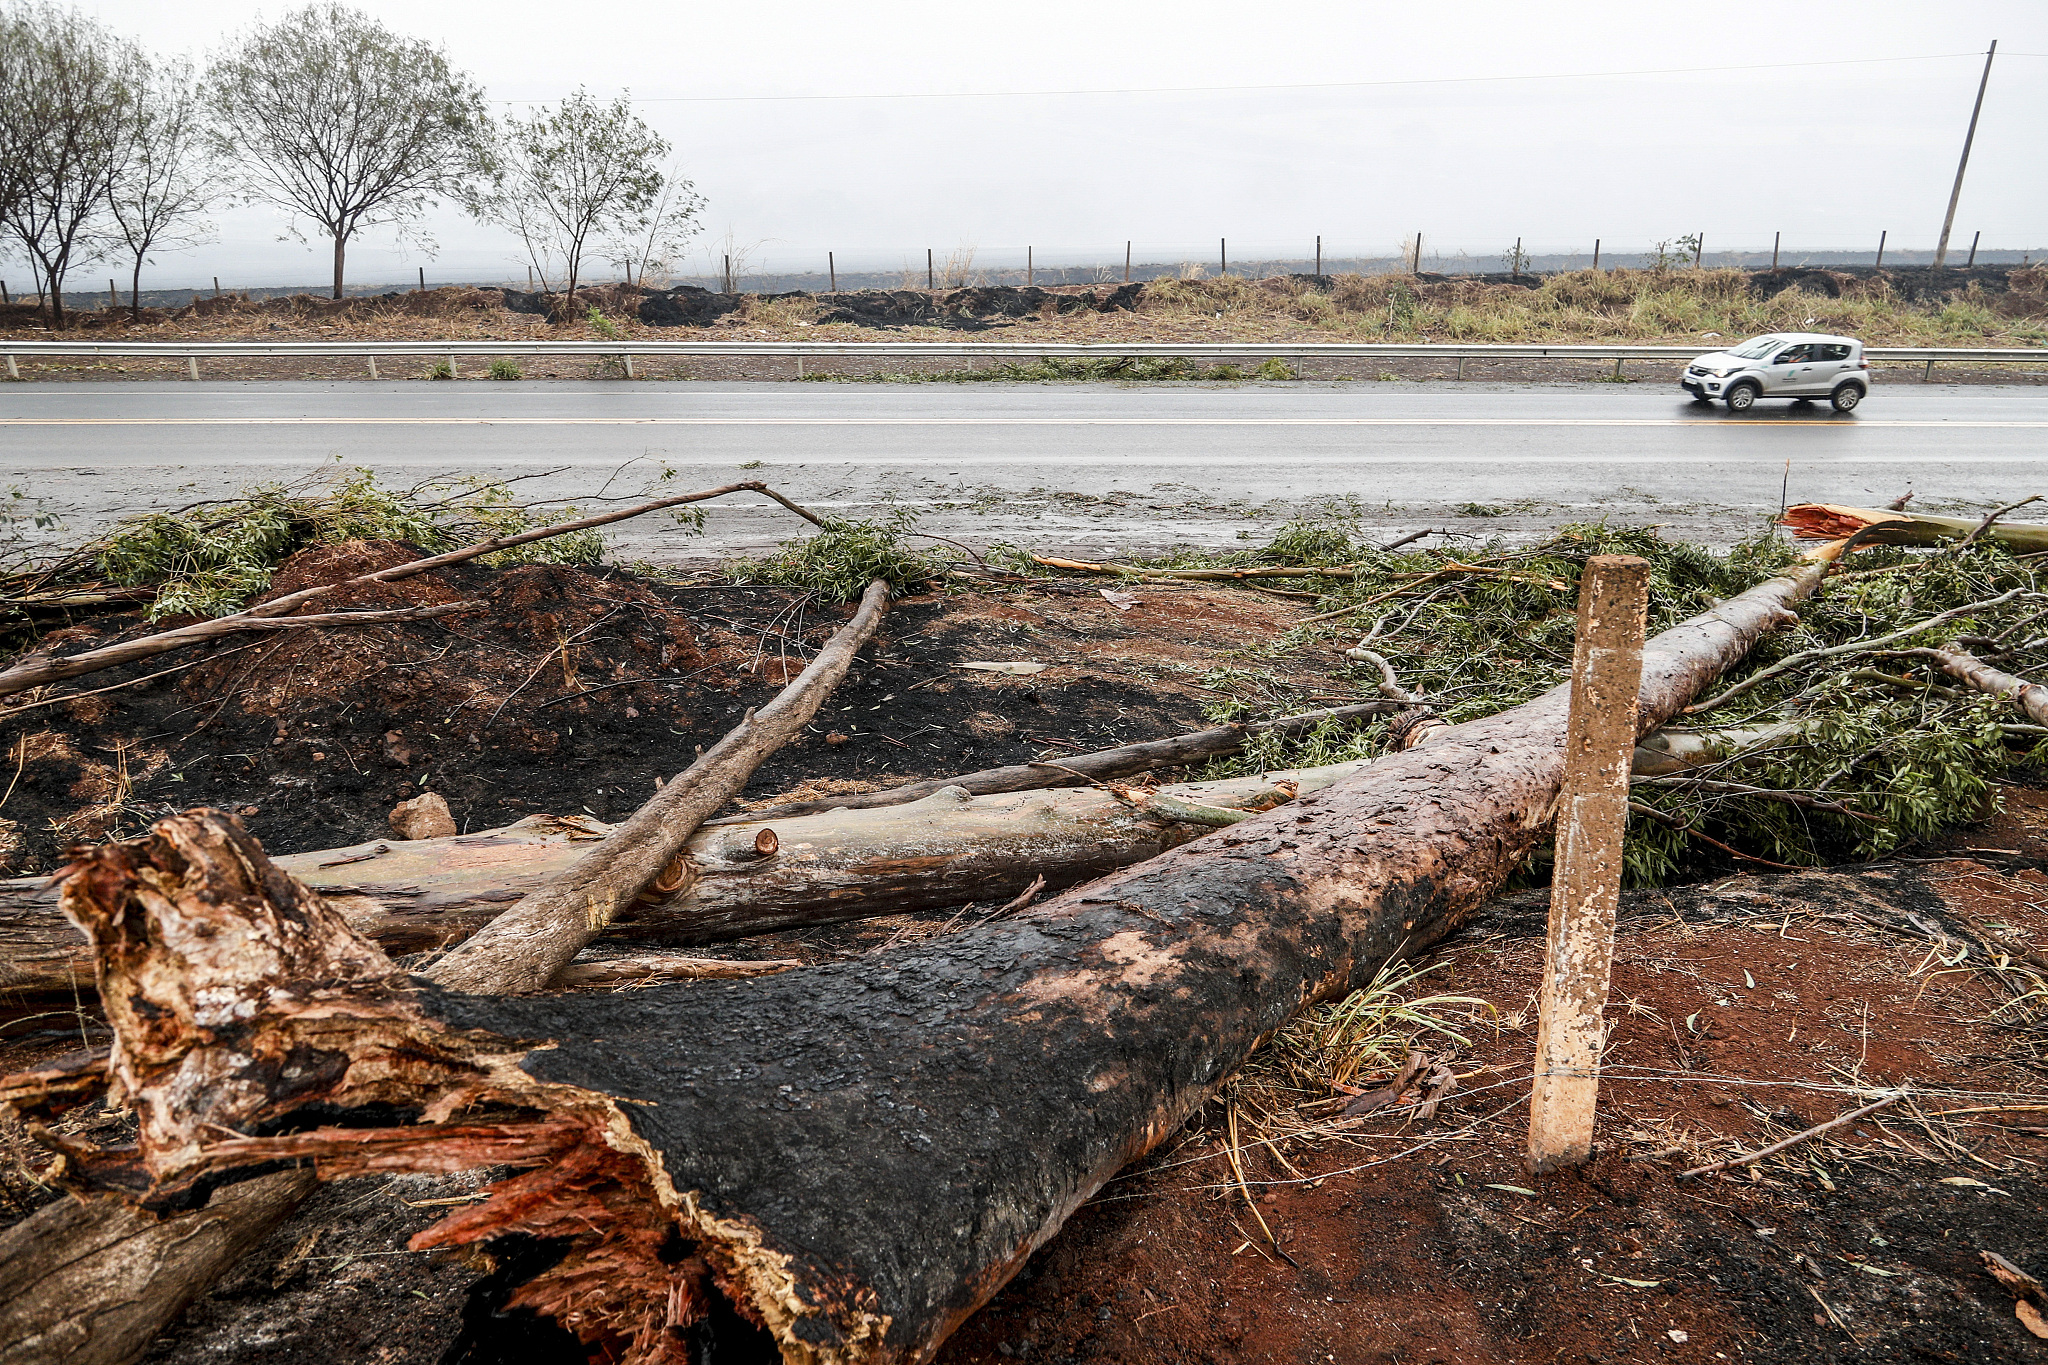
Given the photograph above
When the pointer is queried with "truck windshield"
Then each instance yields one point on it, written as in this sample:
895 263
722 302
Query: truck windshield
1757 349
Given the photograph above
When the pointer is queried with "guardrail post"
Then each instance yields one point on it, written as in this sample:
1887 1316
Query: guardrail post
1928 374
1461 367
453 373
1617 367
373 367
192 368
799 367
13 372
627 356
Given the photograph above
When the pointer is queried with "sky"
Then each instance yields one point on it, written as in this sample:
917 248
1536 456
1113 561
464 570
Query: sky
881 129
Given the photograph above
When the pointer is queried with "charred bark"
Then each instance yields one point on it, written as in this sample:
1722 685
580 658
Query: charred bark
92 1282
852 1156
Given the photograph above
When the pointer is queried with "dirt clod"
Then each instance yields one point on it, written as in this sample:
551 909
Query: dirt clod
424 817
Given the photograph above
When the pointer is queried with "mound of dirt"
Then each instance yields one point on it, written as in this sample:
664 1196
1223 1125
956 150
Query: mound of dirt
969 309
616 299
445 302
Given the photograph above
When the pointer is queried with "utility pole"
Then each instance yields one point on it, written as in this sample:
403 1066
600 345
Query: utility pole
1949 220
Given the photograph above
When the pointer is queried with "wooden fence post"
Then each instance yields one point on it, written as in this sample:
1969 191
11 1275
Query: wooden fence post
1592 816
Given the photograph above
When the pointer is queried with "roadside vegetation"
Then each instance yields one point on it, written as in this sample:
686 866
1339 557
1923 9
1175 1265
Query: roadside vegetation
1615 305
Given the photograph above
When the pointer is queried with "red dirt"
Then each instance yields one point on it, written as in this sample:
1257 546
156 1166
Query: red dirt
1430 1257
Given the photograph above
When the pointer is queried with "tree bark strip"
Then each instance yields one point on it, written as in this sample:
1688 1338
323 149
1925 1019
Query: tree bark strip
522 949
855 1155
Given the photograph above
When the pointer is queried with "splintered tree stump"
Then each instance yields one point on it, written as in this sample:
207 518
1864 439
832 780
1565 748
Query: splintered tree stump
838 1163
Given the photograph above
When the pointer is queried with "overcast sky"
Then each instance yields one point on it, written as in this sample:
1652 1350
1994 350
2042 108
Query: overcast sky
1467 121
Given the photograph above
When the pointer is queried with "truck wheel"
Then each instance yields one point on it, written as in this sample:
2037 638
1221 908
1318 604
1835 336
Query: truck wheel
1845 397
1742 397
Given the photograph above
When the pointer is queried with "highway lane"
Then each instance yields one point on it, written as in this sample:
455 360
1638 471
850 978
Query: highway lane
1085 468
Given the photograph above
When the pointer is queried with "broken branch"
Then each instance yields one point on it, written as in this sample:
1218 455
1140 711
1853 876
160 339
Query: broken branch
1797 1138
522 949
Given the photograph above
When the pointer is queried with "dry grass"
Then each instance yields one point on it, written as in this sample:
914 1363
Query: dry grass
1642 306
1619 305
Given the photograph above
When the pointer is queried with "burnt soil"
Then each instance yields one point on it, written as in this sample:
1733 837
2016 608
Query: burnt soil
573 690
1743 1011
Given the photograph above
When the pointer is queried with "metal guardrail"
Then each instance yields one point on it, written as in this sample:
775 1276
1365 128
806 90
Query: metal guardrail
625 349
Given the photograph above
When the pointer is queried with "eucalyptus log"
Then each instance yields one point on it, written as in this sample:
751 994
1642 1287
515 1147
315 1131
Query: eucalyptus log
1831 521
522 949
92 1282
945 851
840 1161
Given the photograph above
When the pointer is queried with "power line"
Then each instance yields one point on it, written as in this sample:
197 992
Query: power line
1303 85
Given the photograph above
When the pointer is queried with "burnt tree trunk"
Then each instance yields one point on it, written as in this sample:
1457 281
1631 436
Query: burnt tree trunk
93 1285
846 1160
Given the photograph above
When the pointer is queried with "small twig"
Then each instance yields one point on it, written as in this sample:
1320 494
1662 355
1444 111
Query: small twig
1015 903
1795 798
1799 1137
1808 656
1673 822
1410 538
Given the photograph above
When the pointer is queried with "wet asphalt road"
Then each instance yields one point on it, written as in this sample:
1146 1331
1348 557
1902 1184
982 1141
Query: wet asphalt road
1081 469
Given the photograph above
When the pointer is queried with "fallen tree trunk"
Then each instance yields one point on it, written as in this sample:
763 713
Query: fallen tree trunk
1831 521
1973 672
939 853
943 851
840 1162
92 1282
523 951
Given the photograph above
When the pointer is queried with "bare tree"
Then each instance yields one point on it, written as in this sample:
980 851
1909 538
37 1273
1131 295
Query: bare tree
580 174
163 185
71 88
652 244
332 117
